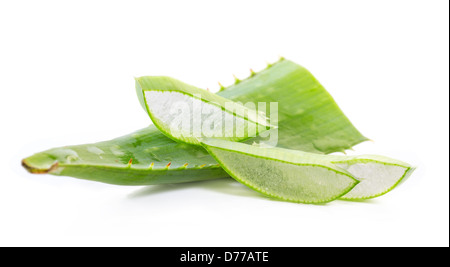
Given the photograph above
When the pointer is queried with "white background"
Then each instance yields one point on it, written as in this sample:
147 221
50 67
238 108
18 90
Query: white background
66 77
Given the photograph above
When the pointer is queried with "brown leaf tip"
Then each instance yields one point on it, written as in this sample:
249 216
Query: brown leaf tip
35 170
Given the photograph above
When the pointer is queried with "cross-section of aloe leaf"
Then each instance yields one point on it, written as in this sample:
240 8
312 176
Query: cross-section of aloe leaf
377 174
278 173
185 113
254 166
308 120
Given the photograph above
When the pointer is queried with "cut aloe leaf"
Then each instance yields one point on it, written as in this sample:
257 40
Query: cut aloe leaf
186 113
377 174
308 120
281 173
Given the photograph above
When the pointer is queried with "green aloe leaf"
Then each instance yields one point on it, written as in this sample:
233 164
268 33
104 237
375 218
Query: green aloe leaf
308 120
185 113
281 173
377 174
299 176
141 158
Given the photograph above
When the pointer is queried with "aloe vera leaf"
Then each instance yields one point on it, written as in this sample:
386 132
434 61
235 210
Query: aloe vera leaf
141 158
376 174
182 112
308 117
278 173
309 120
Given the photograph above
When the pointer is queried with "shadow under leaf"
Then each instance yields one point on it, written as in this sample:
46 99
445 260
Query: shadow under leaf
224 185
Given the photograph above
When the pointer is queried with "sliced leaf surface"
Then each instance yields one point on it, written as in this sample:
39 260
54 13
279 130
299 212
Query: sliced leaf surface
377 174
281 173
185 113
